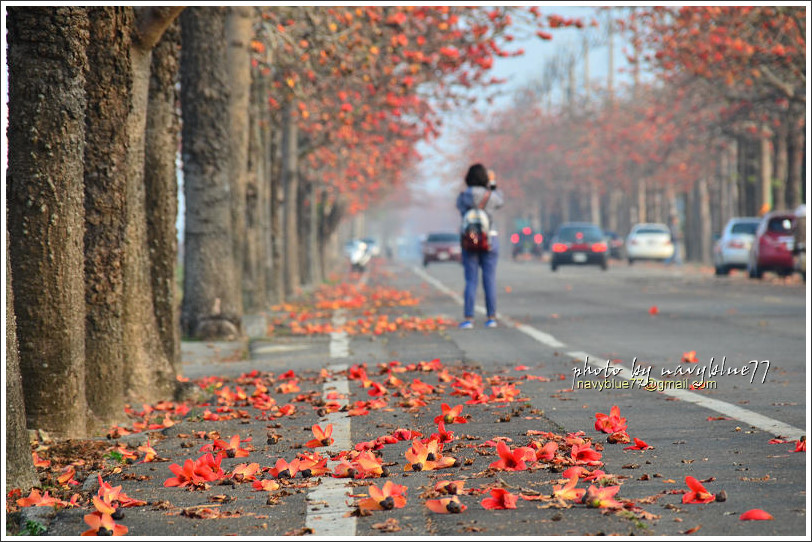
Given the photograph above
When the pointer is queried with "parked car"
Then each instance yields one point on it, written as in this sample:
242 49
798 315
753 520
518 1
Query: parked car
615 244
580 243
649 241
799 248
442 247
526 244
773 245
732 249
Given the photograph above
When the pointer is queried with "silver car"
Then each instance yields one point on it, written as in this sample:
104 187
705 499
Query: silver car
732 249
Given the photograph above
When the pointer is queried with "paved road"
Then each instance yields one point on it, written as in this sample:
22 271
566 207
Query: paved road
550 323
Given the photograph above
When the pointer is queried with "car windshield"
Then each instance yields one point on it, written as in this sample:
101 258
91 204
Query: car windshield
651 230
745 227
443 238
780 225
588 235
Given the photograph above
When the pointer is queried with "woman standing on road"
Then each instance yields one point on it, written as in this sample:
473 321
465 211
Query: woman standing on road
481 187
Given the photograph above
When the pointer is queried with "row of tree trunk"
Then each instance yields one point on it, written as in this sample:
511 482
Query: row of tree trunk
103 101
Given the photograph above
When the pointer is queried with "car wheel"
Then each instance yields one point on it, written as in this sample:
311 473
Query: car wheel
722 270
425 263
631 261
553 266
604 265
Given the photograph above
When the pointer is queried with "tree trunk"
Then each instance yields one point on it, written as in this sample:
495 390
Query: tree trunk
20 471
238 34
595 205
313 241
212 299
797 153
703 225
765 174
46 132
781 165
277 276
255 295
107 89
290 181
303 214
148 372
161 179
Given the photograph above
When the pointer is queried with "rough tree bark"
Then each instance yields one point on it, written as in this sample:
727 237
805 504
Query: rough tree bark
780 166
149 373
107 89
255 295
797 153
161 181
238 33
20 471
46 59
211 296
290 181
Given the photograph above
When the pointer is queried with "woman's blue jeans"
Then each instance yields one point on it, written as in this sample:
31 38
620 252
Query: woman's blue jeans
471 262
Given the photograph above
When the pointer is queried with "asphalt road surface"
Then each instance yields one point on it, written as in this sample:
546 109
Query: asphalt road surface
576 342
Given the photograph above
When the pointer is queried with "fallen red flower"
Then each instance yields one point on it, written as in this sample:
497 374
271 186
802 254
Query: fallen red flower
500 499
512 460
610 423
323 437
639 445
450 505
698 493
756 514
450 415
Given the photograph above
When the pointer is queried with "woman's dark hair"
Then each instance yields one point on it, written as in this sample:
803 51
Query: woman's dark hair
477 176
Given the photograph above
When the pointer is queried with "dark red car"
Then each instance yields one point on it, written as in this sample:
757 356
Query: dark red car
442 247
773 244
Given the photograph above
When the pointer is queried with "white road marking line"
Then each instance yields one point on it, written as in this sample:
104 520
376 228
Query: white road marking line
749 417
281 348
339 341
326 503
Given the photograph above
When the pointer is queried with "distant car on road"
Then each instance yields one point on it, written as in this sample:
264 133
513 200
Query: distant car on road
615 244
649 241
526 244
442 247
579 243
732 249
773 245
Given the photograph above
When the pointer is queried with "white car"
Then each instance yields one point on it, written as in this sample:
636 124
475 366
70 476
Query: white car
649 241
732 249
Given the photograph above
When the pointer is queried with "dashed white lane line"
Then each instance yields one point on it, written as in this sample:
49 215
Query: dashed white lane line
326 503
754 419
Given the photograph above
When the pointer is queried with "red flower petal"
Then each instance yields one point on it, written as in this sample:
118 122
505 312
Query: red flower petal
756 514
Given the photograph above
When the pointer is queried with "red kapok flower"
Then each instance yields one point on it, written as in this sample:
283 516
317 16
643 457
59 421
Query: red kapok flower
610 423
500 499
103 524
450 415
698 493
639 445
568 491
602 497
450 505
322 437
512 460
585 454
756 514
391 496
